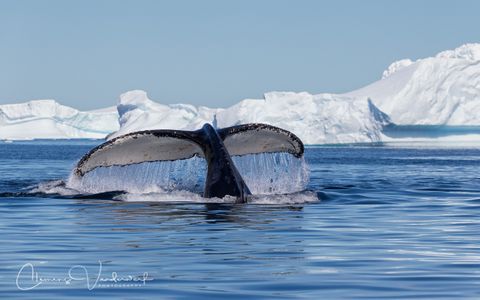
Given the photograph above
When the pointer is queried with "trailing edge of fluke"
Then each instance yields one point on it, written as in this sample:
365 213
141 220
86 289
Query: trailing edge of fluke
215 145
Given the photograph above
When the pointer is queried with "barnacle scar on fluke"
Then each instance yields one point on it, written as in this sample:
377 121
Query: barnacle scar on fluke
216 146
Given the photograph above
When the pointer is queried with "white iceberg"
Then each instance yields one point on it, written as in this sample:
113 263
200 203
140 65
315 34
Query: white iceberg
137 112
316 119
47 119
440 90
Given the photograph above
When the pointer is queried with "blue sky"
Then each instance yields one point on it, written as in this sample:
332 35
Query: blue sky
214 53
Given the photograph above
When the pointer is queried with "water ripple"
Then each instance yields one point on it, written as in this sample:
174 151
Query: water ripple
390 223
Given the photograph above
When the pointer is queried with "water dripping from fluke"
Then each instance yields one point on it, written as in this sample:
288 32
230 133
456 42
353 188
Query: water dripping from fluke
273 178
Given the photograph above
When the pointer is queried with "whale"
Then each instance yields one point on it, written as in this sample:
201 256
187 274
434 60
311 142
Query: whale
215 145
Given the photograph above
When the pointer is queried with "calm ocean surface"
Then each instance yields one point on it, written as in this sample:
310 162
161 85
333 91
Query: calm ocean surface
391 222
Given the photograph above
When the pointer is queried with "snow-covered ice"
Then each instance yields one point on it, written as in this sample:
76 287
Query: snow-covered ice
439 90
316 119
137 112
47 119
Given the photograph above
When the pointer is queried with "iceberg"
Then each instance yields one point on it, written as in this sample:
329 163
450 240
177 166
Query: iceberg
47 119
316 119
443 90
137 112
439 90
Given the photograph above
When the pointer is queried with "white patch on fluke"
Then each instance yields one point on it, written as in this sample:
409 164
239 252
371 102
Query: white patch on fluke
138 148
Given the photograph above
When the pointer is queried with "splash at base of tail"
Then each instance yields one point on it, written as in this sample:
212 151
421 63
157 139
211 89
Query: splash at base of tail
216 146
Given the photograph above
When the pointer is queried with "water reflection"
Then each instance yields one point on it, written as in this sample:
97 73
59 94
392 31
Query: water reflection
119 212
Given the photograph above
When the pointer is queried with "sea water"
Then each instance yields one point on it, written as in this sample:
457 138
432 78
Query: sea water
383 221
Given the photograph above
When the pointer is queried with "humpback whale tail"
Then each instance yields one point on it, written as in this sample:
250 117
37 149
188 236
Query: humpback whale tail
216 146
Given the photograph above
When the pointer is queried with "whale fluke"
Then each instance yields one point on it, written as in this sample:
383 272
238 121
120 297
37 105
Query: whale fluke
216 146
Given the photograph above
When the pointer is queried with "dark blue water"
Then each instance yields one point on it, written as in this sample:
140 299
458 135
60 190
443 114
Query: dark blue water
391 222
428 131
